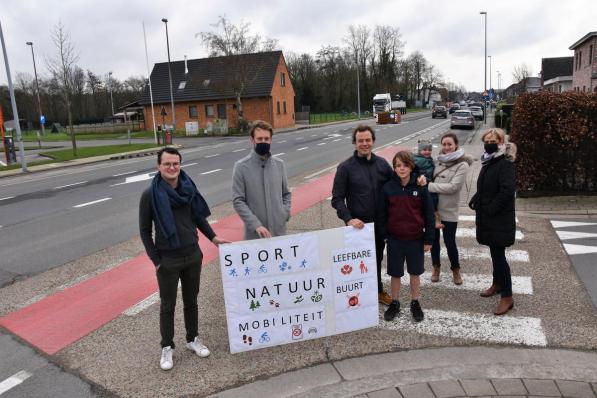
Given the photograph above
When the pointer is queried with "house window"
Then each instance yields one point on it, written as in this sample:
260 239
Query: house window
193 112
209 111
591 54
284 106
579 59
283 79
278 106
221 111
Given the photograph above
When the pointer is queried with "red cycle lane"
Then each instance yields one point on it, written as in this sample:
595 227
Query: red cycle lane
59 320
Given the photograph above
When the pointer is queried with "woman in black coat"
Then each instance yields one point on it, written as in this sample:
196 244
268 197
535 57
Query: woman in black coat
495 214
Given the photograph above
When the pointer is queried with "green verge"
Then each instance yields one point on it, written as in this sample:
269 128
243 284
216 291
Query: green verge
86 152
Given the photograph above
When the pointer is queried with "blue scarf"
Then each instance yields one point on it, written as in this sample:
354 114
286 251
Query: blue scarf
164 198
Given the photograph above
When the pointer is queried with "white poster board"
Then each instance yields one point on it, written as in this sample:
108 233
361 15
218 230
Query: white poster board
192 128
299 287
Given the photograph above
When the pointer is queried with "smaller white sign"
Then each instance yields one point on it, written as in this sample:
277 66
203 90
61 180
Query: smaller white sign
192 128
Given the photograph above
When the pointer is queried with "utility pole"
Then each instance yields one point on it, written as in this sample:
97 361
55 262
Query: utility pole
42 121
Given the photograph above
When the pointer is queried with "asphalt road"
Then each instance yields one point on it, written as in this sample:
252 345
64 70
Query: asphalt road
48 219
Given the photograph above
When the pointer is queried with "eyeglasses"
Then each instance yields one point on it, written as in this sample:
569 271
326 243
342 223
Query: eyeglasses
168 165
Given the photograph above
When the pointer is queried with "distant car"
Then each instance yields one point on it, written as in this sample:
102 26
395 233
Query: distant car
477 112
463 118
439 111
454 107
462 103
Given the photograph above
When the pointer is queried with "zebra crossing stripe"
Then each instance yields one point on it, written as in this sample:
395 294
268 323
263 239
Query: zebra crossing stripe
563 235
473 282
474 326
464 217
519 256
14 381
564 224
472 232
579 249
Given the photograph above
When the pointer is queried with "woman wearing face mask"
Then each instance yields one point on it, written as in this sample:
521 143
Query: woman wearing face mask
448 179
495 214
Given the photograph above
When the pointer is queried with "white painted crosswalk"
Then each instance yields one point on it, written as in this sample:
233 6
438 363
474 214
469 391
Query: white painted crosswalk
589 239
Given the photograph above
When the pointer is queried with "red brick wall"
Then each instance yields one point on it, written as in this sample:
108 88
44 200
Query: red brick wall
282 94
581 75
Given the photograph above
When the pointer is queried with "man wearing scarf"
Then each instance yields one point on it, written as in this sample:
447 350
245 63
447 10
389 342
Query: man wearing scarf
260 193
174 206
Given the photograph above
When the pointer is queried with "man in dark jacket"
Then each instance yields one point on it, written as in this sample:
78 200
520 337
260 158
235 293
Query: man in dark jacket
356 194
175 207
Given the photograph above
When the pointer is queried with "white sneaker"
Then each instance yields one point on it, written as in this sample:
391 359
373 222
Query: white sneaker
166 359
197 346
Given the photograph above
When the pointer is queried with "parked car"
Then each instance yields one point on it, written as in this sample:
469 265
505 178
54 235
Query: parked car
477 112
454 107
463 118
439 111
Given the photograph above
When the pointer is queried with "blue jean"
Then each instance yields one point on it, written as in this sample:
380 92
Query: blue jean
501 270
449 232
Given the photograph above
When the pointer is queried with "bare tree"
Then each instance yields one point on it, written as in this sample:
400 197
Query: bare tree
61 66
520 75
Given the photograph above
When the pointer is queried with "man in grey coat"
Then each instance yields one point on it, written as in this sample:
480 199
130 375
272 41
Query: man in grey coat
260 193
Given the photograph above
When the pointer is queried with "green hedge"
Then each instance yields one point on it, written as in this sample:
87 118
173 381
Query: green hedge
556 135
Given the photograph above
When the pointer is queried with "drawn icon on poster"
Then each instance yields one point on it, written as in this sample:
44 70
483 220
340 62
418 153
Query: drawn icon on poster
299 299
254 305
247 339
264 338
316 298
312 330
346 269
297 332
274 303
363 267
353 301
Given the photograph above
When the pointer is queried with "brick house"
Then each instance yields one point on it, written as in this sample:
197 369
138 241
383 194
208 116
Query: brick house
205 90
584 76
556 74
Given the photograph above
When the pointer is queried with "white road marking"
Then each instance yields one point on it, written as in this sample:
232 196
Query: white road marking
337 139
142 305
298 138
123 174
564 224
280 154
474 326
473 282
14 381
188 164
281 142
328 198
211 171
6 198
213 221
520 256
463 217
472 232
240 150
313 135
211 156
303 148
321 143
575 235
137 178
92 203
579 249
70 185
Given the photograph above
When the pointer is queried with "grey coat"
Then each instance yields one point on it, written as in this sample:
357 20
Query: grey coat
260 194
448 181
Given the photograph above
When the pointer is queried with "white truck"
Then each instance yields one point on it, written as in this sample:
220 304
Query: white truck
384 103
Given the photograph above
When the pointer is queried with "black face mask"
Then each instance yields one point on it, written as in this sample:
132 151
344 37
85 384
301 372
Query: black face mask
262 148
490 148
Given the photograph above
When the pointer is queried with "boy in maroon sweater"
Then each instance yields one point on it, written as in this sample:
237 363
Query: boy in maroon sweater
410 229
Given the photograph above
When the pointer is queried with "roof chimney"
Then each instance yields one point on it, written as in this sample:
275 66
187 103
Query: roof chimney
186 69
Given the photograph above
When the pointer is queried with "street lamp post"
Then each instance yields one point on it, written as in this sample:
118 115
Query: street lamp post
490 86
358 87
485 70
111 97
165 21
43 130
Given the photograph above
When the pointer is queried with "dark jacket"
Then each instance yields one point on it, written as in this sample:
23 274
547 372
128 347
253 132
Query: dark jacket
425 166
408 210
357 188
186 227
494 202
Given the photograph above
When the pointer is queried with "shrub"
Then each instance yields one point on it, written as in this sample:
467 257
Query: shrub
557 143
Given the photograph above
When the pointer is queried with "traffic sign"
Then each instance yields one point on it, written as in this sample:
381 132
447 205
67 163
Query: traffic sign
163 111
42 119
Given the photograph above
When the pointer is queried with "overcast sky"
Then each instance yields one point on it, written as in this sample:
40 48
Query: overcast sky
109 37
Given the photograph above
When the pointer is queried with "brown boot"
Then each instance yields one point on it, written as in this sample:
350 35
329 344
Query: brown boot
505 305
491 291
456 276
435 274
384 298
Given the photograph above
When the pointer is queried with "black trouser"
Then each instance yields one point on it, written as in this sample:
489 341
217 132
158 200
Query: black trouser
188 270
380 245
449 233
501 270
